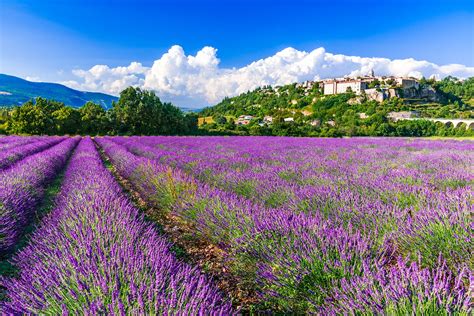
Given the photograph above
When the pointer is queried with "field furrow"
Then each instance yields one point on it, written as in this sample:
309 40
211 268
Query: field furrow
10 156
96 253
13 141
314 259
22 188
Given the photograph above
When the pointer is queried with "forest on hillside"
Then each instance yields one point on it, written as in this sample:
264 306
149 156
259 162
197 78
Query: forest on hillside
337 115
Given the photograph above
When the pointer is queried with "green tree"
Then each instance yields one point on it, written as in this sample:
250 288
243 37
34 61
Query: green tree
93 119
141 112
34 118
137 112
66 120
219 119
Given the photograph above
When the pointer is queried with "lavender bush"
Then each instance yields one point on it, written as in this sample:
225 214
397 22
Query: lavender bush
22 188
402 289
8 142
95 254
303 218
9 156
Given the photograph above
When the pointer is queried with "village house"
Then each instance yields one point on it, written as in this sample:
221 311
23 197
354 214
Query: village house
407 83
268 119
337 86
244 120
361 84
308 84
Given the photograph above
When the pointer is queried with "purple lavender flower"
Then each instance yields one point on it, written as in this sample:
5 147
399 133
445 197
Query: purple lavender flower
95 250
22 188
308 216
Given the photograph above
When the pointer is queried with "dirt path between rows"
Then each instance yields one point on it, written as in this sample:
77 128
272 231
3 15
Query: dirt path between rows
187 247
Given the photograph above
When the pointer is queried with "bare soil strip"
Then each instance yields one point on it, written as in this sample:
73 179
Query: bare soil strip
193 250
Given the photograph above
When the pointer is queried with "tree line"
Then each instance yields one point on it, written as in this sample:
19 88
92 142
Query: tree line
348 125
137 112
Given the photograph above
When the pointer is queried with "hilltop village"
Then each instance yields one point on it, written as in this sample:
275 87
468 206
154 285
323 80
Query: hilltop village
334 104
367 88
375 88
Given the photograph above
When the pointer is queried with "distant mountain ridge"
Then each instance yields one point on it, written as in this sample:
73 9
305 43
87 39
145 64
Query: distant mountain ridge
16 91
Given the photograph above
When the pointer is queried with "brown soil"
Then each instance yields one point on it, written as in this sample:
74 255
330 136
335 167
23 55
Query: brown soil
198 252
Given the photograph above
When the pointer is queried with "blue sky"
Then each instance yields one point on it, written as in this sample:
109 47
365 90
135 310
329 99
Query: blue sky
47 40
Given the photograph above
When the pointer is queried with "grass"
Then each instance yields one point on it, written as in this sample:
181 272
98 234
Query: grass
207 119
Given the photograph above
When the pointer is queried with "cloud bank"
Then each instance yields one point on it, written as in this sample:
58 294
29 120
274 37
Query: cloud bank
197 81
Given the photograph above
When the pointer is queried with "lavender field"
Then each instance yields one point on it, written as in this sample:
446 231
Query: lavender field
236 225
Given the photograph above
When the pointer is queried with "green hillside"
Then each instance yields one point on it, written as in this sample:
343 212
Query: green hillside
16 91
309 113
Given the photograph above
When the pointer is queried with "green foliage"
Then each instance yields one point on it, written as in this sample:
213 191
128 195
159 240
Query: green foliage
37 117
136 113
454 89
264 100
340 115
219 119
141 112
93 119
439 237
4 117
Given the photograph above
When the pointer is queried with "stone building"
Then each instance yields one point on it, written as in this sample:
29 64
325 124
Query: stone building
359 84
407 83
337 86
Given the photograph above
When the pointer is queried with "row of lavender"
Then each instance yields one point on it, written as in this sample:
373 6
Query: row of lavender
400 187
358 255
22 187
10 141
269 167
16 150
95 253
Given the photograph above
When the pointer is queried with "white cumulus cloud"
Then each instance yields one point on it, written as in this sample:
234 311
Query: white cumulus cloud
196 81
109 80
